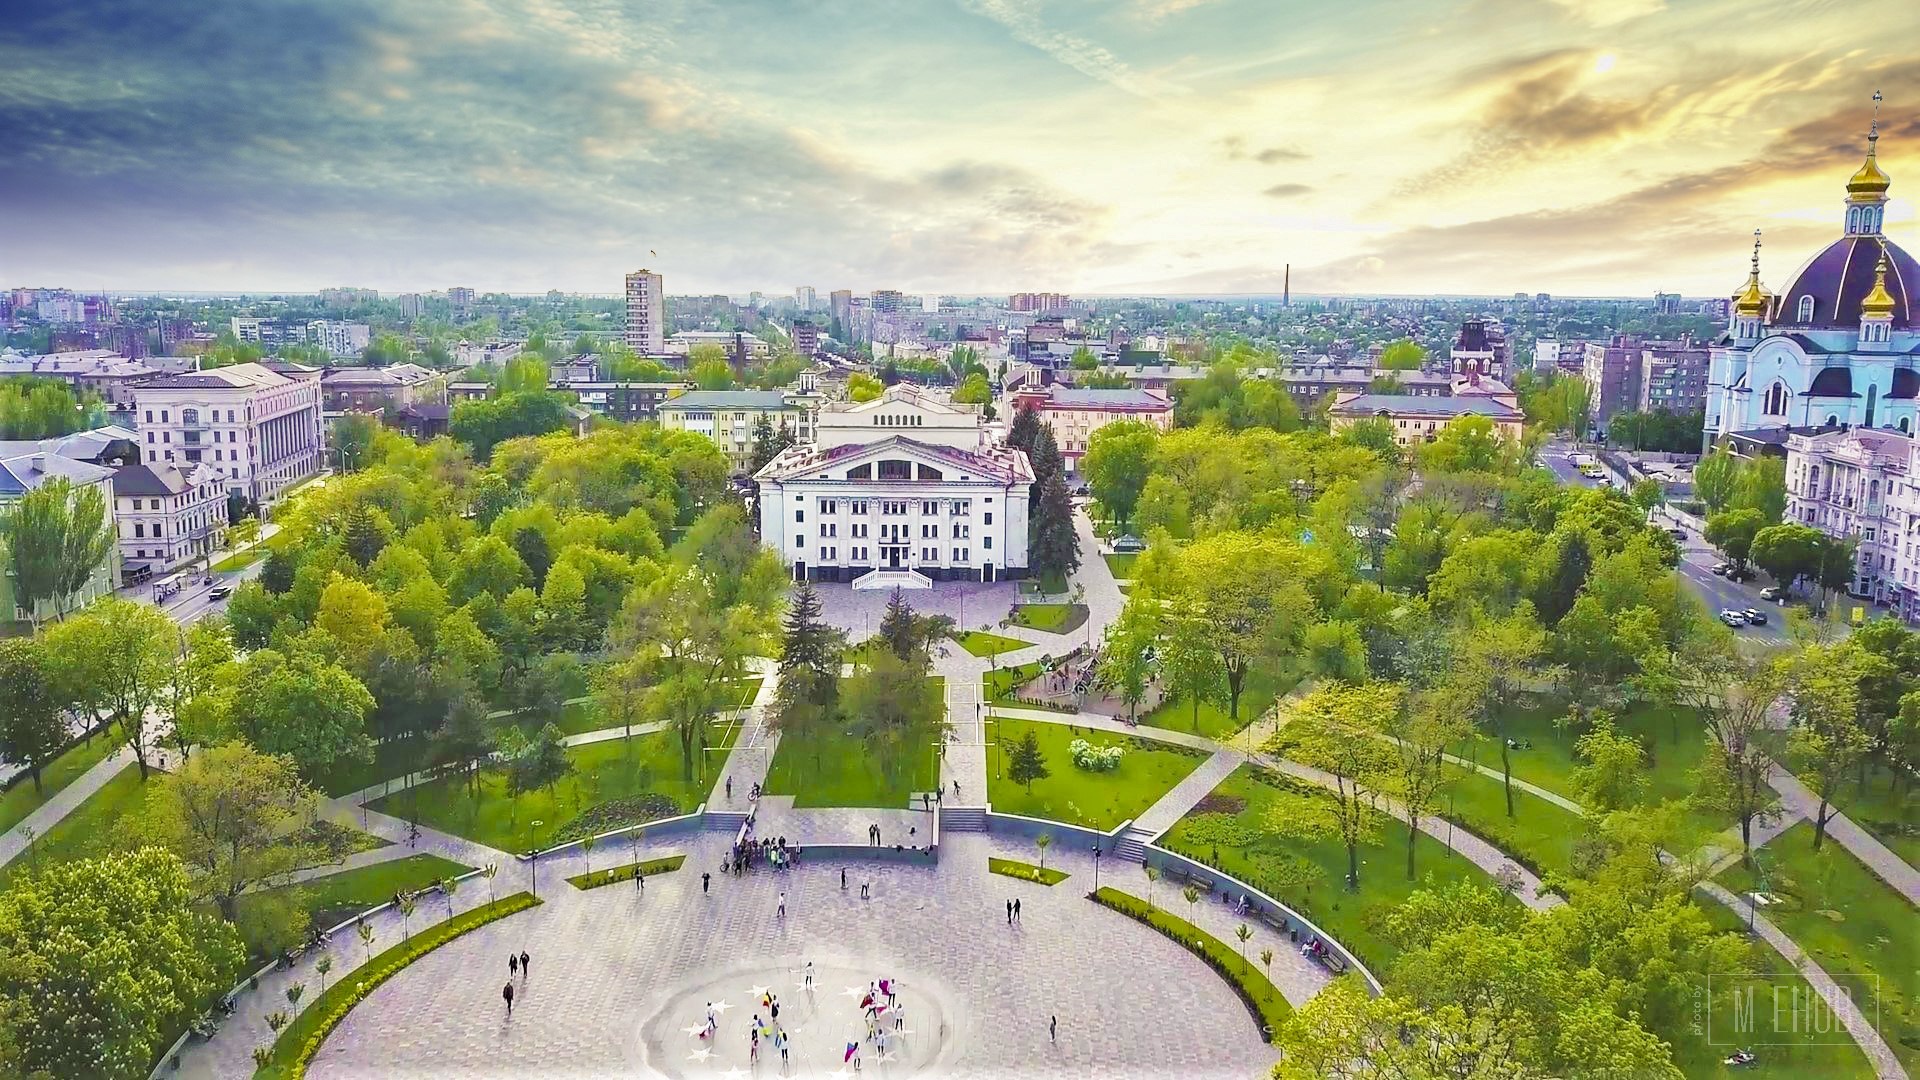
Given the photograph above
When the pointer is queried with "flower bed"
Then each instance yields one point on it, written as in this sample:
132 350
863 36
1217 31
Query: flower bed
297 1044
1014 868
1093 758
1269 1008
616 814
615 874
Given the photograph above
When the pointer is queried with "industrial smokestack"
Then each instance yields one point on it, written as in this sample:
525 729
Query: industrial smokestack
1286 287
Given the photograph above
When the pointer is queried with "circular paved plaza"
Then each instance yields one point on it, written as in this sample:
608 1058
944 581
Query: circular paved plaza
619 978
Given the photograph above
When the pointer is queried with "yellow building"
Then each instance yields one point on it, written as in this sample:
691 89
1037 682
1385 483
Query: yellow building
1416 420
729 417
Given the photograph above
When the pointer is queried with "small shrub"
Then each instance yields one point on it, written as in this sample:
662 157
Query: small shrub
1095 758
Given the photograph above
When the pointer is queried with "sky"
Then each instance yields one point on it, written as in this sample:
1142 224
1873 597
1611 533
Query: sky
1578 147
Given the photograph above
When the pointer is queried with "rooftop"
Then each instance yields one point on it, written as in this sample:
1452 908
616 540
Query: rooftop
728 399
1416 405
232 377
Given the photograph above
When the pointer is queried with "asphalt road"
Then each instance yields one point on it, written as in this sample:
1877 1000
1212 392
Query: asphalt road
195 602
1696 562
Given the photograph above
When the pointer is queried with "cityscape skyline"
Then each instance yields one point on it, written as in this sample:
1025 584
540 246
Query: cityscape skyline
1581 148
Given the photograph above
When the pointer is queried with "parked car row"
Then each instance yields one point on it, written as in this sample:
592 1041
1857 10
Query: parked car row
1749 617
1732 572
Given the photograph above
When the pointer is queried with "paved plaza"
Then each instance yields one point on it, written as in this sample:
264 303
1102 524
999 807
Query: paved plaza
619 976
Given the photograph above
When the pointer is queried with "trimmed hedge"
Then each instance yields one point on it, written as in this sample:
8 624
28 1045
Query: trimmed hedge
299 1041
1014 868
1269 1008
615 874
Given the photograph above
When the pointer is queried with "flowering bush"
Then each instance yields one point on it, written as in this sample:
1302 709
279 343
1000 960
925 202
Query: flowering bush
1095 758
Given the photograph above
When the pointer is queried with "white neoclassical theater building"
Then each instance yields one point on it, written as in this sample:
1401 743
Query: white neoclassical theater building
903 490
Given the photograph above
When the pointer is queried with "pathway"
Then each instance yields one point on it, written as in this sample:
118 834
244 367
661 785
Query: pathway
1183 796
1801 802
1885 1064
752 754
63 803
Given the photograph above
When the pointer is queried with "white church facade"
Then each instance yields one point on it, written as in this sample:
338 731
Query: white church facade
1838 346
905 489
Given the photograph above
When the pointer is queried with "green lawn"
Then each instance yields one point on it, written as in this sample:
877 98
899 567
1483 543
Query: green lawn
1097 800
1787 1055
837 769
1892 816
1014 868
1540 835
22 800
1053 618
1214 723
392 760
338 897
603 773
1249 797
981 643
241 561
1674 739
1850 922
101 824
1121 564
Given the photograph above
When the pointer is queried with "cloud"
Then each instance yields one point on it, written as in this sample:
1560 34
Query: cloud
1287 191
1022 20
1603 13
1274 154
1235 147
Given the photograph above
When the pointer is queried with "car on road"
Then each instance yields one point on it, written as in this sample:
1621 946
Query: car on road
220 591
1722 568
1678 534
1129 545
1772 592
1755 616
1740 573
1733 618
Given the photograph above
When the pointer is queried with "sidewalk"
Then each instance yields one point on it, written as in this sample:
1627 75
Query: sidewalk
62 804
1800 801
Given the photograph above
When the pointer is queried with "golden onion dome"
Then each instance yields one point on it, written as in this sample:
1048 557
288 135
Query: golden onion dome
1870 183
1878 303
1753 299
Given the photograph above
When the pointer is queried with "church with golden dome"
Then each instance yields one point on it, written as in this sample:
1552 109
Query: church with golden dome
1837 347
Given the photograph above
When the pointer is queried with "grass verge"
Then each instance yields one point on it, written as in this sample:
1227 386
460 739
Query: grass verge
1269 1008
838 768
1097 800
613 875
1014 868
1052 618
247 558
335 898
21 800
981 643
300 1040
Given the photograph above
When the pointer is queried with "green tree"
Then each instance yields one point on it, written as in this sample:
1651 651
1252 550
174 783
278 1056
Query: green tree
302 705
116 657
1615 773
106 960
1126 663
537 762
1189 663
32 731
1402 355
1788 552
1333 729
863 387
1421 735
1247 593
1027 763
807 697
1827 738
1762 486
1732 532
234 815
1715 478
895 708
367 532
1494 656
975 390
1025 429
1572 563
768 442
1118 459
1054 545
1335 650
55 537
351 439
712 375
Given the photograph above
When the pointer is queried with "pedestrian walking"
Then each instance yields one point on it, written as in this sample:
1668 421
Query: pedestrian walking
640 878
807 980
753 1048
783 905
1016 911
526 964
956 789
1009 913
513 964
507 992
1053 1029
899 1017
705 880
729 789
843 879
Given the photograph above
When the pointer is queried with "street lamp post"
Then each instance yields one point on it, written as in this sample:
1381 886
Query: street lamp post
535 865
1096 868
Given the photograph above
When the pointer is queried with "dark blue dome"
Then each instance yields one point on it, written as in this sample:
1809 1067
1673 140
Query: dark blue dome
1840 277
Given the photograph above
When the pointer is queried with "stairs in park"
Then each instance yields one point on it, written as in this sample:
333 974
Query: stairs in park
893 579
963 819
1132 845
725 820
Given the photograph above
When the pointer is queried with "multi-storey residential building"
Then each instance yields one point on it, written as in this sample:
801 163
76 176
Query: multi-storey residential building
25 466
625 401
259 428
340 339
460 298
1416 420
1858 483
729 417
806 337
348 297
682 343
165 516
803 298
1074 414
1612 371
253 328
101 372
1673 376
412 305
646 331
366 389
1039 302
901 490
889 301
840 306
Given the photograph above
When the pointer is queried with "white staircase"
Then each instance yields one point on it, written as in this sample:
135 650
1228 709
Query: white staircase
1132 844
725 820
892 579
963 819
